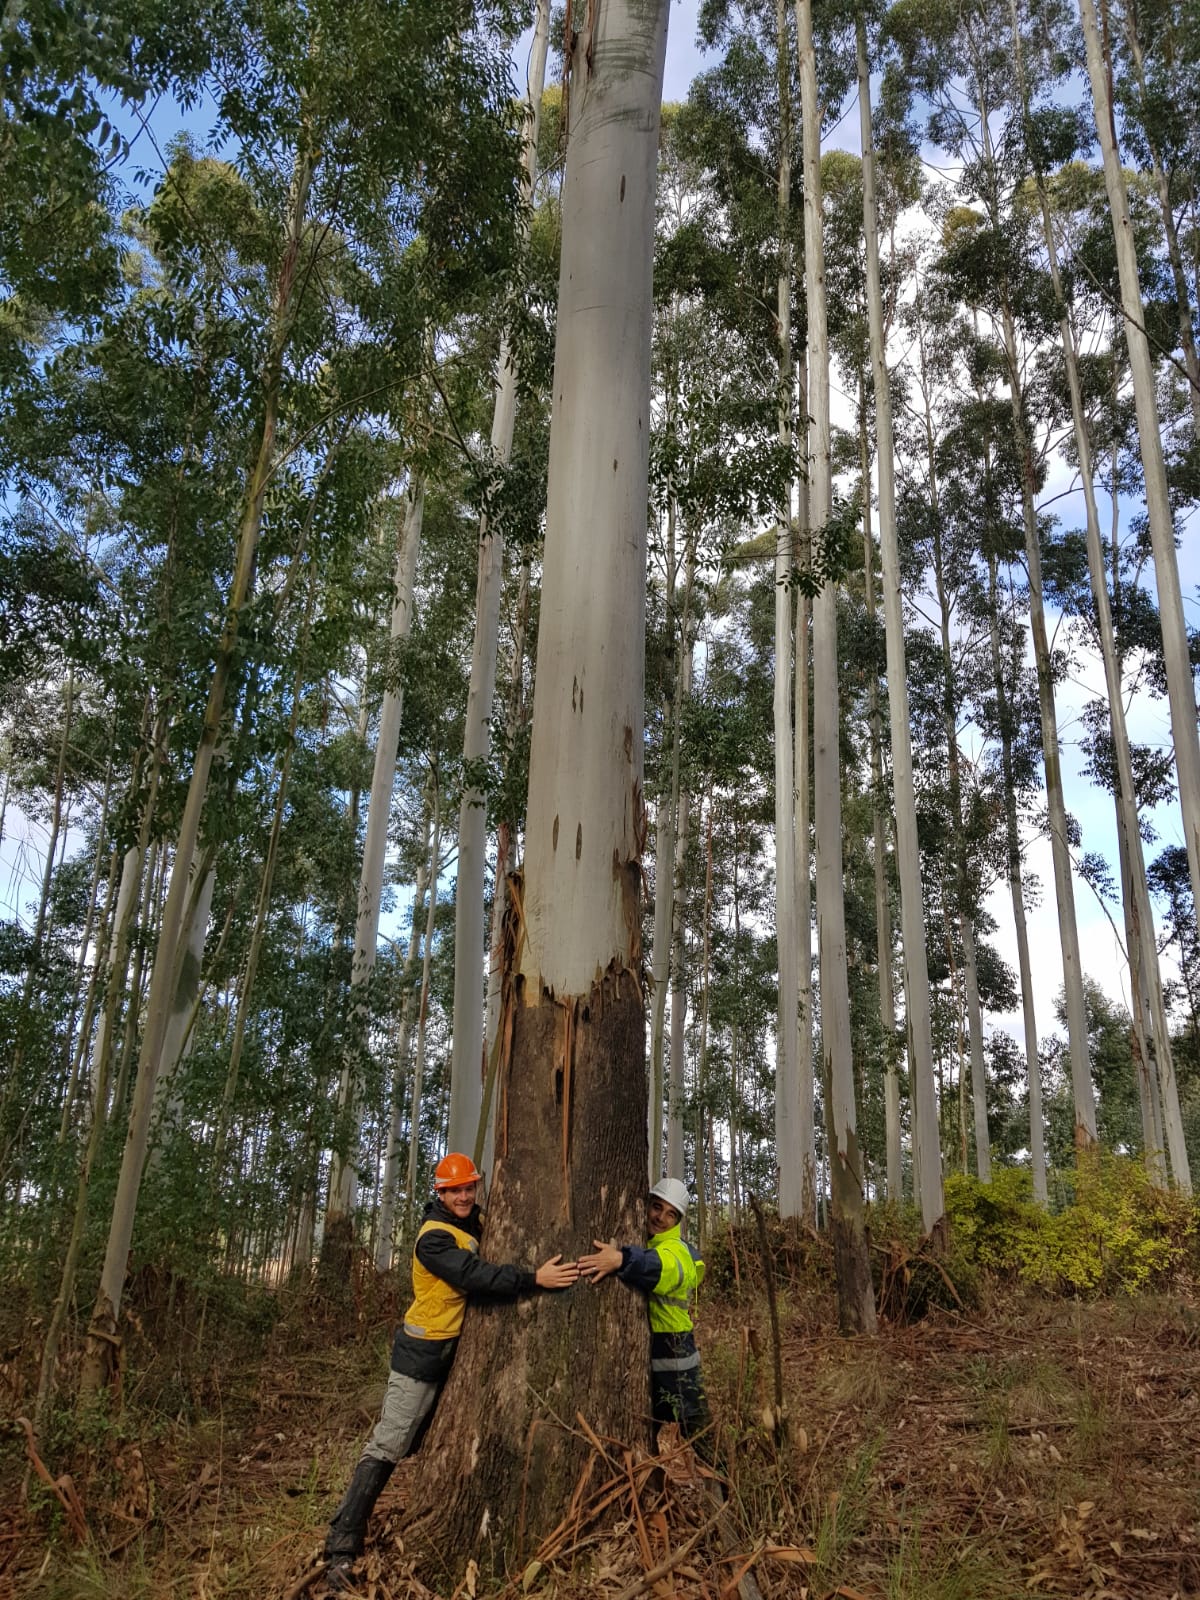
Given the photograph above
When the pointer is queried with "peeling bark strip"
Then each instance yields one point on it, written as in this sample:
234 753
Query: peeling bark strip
501 1464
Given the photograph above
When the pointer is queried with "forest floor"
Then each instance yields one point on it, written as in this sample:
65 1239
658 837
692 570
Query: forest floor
1034 1447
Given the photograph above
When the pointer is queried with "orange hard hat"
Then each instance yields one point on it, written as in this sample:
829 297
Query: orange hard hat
454 1170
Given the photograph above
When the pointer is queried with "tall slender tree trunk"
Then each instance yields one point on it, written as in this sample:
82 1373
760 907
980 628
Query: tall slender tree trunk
1139 914
571 1131
1180 684
414 1118
664 887
856 1300
683 690
176 1043
806 1127
506 860
1064 890
702 1175
676 1087
343 1178
788 1150
983 1148
927 1154
1153 1151
1162 186
258 931
103 1336
467 1060
386 1225
1037 1137
883 901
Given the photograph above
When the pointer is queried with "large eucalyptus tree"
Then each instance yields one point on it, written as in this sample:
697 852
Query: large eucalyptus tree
571 1126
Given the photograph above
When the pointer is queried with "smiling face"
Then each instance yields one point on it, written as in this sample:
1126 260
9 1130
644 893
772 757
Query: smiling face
459 1200
659 1215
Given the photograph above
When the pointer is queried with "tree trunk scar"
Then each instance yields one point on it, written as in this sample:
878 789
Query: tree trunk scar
578 840
554 841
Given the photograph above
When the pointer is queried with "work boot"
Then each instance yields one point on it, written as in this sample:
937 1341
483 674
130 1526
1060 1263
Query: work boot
348 1530
338 1579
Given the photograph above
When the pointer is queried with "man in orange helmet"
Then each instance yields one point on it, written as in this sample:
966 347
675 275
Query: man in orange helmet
447 1271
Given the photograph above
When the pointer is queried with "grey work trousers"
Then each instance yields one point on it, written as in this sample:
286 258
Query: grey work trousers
407 1405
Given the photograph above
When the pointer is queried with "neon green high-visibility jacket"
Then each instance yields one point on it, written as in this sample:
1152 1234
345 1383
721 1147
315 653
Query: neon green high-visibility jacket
681 1275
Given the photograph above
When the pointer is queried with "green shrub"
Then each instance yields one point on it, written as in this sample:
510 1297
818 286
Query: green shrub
1118 1233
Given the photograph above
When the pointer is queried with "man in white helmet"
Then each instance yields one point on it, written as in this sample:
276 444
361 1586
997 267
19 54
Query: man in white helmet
668 1272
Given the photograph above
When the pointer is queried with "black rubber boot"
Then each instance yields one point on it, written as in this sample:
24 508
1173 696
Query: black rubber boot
348 1530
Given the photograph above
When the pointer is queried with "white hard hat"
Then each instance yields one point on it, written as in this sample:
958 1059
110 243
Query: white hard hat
673 1192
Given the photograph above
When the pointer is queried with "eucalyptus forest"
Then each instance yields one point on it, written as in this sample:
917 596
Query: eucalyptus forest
613 589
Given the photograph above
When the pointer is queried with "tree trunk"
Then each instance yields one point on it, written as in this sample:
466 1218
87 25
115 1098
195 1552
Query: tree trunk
343 1178
1180 684
983 1148
414 1116
1064 890
103 1338
386 1224
1037 1136
1139 915
506 860
788 1149
806 1128
666 813
927 1154
883 904
571 1131
856 1300
702 1054
193 936
683 689
467 1061
1153 1153
676 1088
1187 334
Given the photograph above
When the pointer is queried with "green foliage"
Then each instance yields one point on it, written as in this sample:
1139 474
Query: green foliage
1118 1234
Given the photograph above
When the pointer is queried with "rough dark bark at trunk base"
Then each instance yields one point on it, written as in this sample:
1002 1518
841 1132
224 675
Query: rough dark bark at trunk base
505 1451
337 1253
851 1260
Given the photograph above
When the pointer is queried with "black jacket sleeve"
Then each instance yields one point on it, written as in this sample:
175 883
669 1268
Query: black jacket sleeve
463 1269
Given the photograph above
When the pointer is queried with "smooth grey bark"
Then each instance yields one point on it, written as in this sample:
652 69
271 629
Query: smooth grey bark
1180 683
927 1155
506 860
1064 889
343 1178
806 1126
467 1059
1143 954
386 1225
983 1148
856 1300
1162 186
177 1040
1037 1136
683 689
883 902
414 1118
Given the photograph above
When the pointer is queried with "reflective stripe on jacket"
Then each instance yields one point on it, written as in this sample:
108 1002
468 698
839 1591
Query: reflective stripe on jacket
437 1307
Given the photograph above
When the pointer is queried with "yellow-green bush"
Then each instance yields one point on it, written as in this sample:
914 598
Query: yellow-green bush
1118 1232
